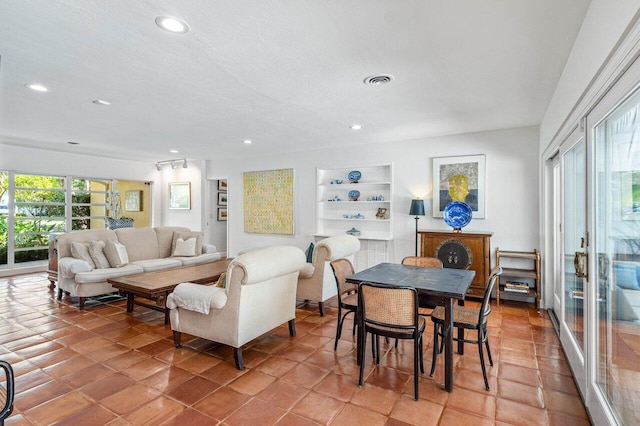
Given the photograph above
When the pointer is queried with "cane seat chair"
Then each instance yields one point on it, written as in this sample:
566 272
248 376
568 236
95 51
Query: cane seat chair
424 300
7 391
347 294
390 311
470 319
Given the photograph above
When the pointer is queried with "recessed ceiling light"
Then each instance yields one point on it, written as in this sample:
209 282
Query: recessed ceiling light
101 102
37 87
174 151
247 141
73 143
355 127
173 25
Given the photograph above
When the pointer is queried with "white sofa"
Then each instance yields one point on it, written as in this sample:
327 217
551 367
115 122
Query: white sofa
260 294
316 282
148 249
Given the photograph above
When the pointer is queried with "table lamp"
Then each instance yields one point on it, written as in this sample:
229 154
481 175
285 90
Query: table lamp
417 210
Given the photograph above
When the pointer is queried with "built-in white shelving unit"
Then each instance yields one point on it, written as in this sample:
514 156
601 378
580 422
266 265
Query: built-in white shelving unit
337 217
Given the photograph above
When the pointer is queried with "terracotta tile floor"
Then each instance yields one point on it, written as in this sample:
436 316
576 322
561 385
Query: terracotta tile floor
104 366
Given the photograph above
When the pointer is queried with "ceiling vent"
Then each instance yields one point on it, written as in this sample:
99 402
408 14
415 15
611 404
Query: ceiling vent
378 79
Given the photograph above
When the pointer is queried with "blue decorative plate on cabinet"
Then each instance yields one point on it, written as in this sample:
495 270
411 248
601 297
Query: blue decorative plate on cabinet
457 214
354 176
354 195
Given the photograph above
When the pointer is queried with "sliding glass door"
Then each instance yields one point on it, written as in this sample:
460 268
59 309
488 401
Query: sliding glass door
617 247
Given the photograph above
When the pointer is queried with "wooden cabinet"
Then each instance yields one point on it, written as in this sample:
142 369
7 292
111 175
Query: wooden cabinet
461 250
519 265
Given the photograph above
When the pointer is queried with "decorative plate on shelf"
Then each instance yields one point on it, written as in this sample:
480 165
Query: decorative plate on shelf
457 215
354 195
354 176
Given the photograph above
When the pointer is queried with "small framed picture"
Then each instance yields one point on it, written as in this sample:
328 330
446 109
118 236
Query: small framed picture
382 213
222 213
132 201
180 196
222 185
222 198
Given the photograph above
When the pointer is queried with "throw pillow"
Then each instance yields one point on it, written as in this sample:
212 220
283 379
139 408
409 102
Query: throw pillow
185 235
222 281
96 251
310 253
81 251
116 254
185 248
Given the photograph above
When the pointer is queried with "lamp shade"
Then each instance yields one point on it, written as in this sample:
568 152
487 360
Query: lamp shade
417 208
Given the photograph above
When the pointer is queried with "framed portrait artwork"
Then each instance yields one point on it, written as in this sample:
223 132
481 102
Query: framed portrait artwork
222 185
459 179
222 213
180 196
222 198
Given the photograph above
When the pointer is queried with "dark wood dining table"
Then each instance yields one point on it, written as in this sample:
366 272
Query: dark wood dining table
443 284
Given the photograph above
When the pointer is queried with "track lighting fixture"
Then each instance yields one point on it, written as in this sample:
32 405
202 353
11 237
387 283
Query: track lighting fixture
174 163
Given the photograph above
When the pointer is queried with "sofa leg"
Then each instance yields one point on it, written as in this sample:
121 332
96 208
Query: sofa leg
176 339
292 328
81 304
237 356
59 293
321 307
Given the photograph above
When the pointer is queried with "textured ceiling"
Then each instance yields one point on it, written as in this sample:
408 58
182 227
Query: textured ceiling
286 74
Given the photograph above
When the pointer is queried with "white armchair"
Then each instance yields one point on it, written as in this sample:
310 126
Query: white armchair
316 282
260 294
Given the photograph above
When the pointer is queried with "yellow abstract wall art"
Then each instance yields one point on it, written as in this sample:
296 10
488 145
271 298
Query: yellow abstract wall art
268 202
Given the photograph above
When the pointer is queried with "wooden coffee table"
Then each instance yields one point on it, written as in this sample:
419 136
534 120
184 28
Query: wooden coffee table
158 284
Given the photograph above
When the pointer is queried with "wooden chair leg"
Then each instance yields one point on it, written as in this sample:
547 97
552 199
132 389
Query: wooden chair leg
59 293
435 349
237 357
292 328
176 339
416 361
321 308
81 303
363 345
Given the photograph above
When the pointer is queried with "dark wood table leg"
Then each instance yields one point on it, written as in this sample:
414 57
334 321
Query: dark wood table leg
130 297
166 310
460 333
447 331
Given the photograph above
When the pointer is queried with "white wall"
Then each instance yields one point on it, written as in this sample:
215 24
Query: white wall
511 182
605 23
192 218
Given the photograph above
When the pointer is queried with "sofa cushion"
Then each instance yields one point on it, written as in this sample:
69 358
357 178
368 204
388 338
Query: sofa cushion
626 275
150 265
101 275
141 243
165 238
116 254
80 250
197 260
185 235
96 251
185 248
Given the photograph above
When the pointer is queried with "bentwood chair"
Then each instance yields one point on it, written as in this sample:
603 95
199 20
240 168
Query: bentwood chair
424 301
470 319
347 294
7 392
390 312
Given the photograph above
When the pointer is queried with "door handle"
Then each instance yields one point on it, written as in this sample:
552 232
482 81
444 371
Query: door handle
580 264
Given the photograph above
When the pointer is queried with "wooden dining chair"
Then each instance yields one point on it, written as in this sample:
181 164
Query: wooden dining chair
424 301
347 297
390 311
7 392
471 319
